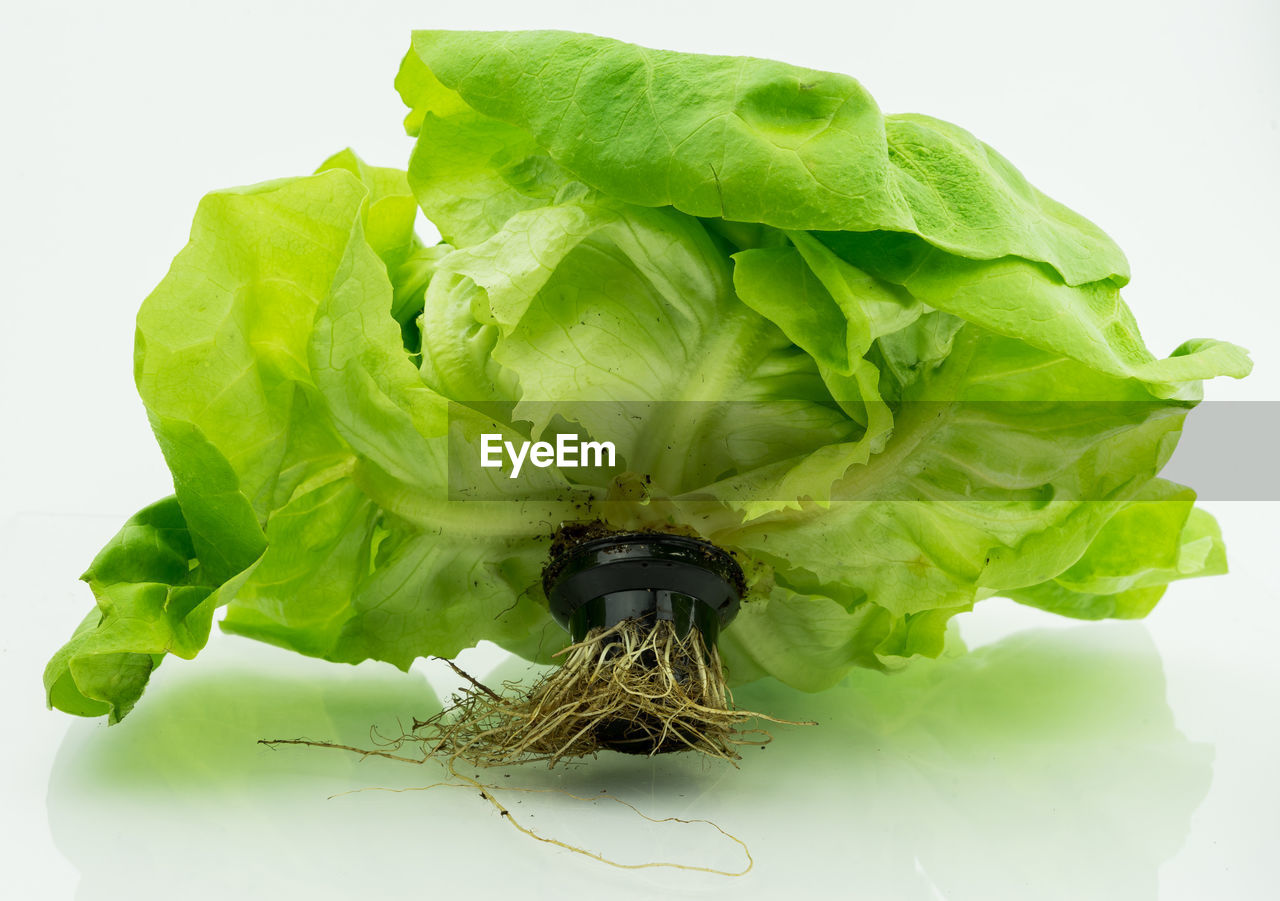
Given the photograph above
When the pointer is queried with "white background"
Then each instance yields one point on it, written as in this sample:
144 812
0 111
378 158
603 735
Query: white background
1096 760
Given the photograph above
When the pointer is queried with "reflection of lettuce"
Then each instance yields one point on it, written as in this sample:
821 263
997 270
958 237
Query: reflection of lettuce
937 392
1049 745
1047 765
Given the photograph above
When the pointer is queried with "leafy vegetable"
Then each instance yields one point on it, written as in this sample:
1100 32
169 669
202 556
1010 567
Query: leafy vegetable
860 351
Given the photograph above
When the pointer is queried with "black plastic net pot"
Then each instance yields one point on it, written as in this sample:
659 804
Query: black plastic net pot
644 578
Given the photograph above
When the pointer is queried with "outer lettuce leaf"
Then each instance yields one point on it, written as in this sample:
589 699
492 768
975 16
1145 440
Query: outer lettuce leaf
439 592
811 640
974 465
220 361
805 640
389 228
153 598
284 424
470 172
1024 300
751 140
1128 566
221 347
980 492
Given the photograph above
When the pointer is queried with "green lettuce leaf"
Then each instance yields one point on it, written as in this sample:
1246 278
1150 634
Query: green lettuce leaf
153 598
750 140
268 358
531 313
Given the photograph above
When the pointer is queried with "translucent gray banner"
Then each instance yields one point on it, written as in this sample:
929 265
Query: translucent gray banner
783 450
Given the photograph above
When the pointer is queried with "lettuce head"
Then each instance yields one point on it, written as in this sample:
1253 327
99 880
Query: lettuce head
860 351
